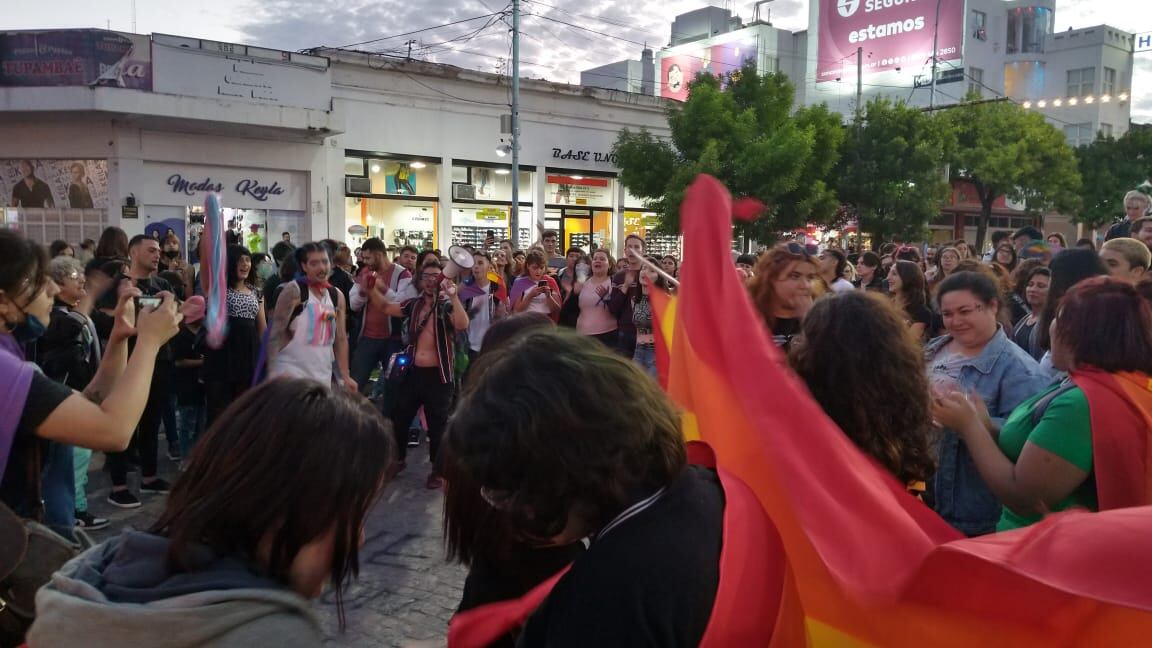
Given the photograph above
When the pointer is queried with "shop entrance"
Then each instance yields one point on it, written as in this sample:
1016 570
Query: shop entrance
579 227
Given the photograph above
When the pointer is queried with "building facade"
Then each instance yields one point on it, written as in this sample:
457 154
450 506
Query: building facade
331 144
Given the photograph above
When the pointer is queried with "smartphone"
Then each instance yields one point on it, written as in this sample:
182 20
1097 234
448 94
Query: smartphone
148 302
542 284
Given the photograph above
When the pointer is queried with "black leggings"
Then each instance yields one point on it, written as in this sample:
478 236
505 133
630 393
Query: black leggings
611 339
146 438
422 387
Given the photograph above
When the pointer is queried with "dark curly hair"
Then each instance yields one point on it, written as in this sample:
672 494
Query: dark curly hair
611 435
867 373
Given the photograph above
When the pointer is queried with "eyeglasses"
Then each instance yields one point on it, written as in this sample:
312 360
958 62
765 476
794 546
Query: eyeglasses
425 275
797 249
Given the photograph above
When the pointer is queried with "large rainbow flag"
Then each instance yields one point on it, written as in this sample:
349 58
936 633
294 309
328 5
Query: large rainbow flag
868 564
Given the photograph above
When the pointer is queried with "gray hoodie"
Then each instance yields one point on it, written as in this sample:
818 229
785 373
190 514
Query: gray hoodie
122 593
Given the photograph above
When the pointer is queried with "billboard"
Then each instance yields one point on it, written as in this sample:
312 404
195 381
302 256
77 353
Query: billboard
677 69
893 33
75 57
62 184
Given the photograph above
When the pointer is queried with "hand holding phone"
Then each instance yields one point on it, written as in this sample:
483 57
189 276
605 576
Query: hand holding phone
149 302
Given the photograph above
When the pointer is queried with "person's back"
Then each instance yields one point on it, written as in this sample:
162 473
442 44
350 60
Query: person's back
248 536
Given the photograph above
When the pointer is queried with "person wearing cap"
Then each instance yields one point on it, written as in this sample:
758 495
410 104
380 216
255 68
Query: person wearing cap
187 382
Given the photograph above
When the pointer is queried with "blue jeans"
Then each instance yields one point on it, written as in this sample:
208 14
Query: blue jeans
370 353
190 421
59 489
645 356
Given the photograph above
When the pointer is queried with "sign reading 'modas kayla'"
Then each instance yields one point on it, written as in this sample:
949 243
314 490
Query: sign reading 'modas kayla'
250 187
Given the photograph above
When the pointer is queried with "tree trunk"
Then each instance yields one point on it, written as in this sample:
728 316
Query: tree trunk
982 224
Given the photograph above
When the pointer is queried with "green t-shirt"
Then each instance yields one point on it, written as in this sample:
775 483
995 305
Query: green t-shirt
1066 431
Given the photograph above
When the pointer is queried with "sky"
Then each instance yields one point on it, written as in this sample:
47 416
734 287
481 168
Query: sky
549 49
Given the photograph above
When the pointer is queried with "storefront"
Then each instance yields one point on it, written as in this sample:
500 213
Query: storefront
482 203
639 220
580 207
50 199
393 198
259 205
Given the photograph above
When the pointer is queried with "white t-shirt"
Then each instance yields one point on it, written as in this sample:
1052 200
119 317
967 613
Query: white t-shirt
842 285
479 319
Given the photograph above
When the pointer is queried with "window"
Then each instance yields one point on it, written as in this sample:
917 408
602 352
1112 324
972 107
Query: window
1105 130
1081 82
979 25
1078 134
976 81
1109 84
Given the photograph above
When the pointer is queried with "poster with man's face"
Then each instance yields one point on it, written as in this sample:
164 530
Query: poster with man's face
61 184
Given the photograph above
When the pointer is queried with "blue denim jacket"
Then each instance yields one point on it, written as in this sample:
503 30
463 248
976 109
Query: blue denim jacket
1004 375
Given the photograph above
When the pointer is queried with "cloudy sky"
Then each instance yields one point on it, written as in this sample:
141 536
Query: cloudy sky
550 49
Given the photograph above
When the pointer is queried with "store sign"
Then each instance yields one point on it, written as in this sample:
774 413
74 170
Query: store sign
575 155
491 214
239 77
166 184
579 190
75 57
893 33
69 184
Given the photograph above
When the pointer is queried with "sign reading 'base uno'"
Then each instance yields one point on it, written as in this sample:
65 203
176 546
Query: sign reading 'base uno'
893 33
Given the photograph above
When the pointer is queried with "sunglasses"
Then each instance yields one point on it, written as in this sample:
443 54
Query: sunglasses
799 250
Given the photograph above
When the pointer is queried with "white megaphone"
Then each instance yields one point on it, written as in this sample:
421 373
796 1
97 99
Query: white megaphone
458 259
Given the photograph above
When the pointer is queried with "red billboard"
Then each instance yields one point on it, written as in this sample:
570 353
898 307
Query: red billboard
893 33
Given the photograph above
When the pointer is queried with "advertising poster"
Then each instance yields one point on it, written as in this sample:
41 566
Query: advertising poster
678 70
579 190
893 33
400 179
75 57
73 184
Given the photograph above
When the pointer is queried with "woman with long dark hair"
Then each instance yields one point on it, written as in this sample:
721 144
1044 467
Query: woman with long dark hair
1068 268
1025 334
865 369
267 513
1005 257
906 284
229 370
600 304
113 244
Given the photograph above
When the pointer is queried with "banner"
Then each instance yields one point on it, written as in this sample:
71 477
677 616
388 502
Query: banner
75 184
892 33
677 70
75 57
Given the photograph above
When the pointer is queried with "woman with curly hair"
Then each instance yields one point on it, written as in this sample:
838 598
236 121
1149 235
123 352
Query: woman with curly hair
865 369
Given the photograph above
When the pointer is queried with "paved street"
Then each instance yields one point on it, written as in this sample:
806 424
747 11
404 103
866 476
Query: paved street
405 592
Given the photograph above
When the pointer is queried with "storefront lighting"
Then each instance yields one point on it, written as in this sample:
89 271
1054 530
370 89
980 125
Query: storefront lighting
1041 103
417 165
1089 99
1073 101
1026 105
1058 103
375 168
1105 98
502 172
576 177
1123 96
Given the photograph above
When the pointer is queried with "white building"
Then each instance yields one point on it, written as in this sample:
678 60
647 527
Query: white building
335 144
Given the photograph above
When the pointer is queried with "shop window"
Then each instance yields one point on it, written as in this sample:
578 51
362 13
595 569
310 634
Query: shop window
490 183
400 177
396 222
1024 79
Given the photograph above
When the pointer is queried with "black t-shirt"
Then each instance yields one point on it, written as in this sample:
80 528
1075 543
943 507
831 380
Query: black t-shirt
187 384
149 286
919 315
651 581
784 330
44 396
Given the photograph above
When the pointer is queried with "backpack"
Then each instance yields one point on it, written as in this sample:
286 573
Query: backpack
1041 405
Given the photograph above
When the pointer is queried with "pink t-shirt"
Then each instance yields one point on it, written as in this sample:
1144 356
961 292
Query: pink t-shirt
595 318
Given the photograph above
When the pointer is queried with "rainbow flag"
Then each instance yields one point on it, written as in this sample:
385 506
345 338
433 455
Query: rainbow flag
868 564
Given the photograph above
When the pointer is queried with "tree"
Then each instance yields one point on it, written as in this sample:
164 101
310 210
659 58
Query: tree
1110 168
892 170
1004 150
744 133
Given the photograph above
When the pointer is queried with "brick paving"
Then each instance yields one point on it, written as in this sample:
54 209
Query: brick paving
405 593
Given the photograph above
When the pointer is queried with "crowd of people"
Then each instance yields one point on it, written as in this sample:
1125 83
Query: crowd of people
975 380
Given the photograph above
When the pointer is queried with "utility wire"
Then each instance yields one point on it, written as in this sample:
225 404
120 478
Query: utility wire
416 31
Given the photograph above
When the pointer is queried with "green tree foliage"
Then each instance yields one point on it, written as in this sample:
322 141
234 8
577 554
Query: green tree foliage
1111 168
892 169
746 135
1005 150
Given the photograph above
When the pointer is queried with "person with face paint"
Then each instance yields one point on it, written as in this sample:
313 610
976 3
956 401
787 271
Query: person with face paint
32 406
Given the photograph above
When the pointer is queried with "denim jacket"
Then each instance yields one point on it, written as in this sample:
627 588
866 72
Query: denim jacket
1004 375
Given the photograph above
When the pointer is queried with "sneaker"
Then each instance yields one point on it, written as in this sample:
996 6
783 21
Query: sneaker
89 522
413 438
156 486
123 499
435 482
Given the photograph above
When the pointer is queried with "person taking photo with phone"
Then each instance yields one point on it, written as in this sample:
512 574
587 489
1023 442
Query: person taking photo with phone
535 291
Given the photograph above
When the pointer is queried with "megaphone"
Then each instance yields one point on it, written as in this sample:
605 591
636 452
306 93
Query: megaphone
458 259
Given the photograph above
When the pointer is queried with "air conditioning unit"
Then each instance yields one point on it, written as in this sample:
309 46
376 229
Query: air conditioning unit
354 186
462 191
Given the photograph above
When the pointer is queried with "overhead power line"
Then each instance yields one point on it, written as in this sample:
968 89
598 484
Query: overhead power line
416 31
